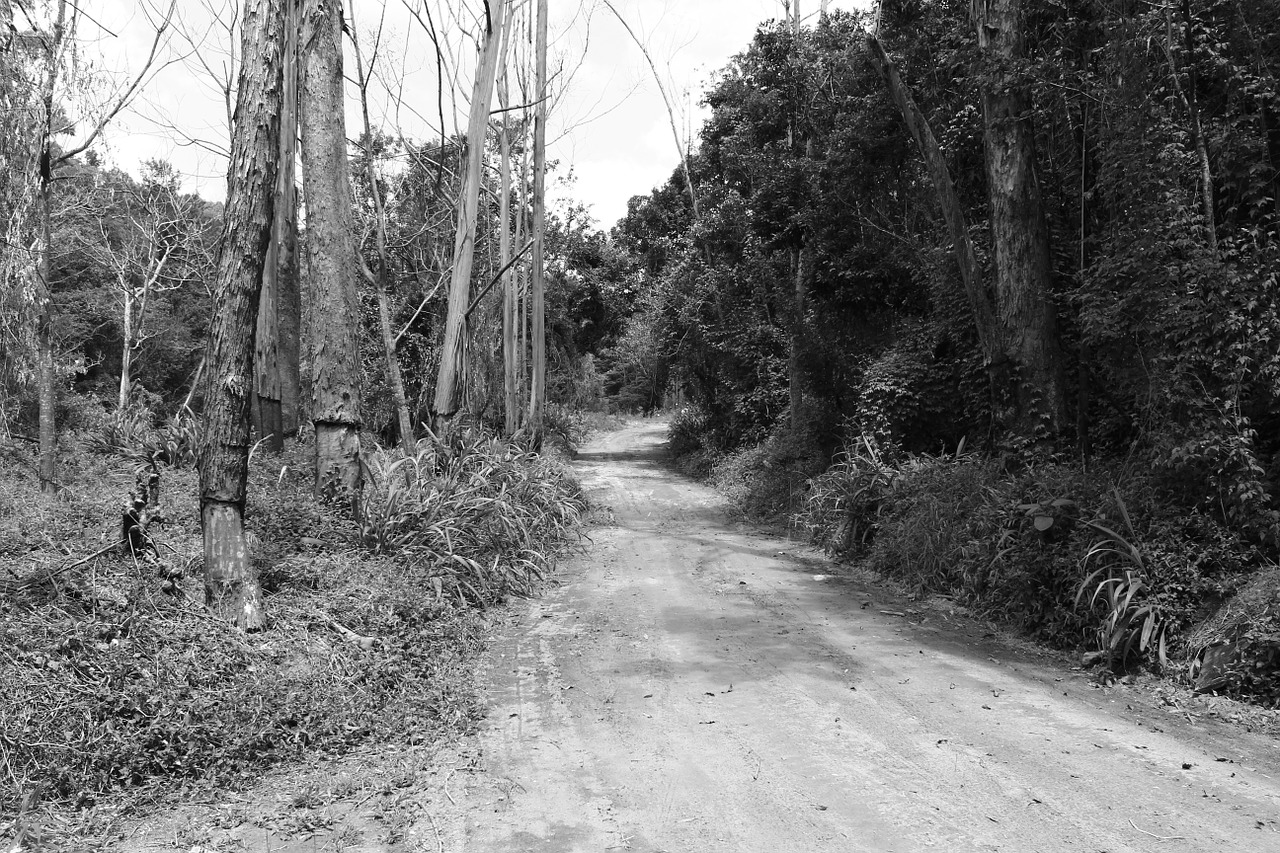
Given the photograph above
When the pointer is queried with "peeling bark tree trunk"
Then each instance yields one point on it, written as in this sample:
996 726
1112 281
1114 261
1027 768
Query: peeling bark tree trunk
538 385
984 316
231 589
1019 233
334 346
269 372
453 354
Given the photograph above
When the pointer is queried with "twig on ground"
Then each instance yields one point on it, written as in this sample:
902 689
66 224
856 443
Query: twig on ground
1158 837
11 587
435 829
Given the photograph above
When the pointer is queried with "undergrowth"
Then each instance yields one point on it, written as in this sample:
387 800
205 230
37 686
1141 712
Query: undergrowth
116 678
1104 558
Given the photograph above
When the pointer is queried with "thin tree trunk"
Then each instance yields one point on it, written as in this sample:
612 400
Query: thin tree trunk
666 100
1084 377
382 276
126 352
1019 233
231 587
1191 102
538 387
285 239
45 373
453 354
984 316
511 410
331 256
522 286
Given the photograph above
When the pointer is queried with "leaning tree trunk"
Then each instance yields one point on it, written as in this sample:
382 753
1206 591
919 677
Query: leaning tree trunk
984 315
382 276
538 385
331 256
453 353
231 587
1019 233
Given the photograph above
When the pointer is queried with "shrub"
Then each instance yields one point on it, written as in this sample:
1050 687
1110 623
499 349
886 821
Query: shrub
1028 547
771 478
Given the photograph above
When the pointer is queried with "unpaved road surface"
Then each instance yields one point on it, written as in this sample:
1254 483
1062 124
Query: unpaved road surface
695 686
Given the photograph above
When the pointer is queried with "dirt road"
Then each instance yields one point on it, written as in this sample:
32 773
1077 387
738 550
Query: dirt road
695 686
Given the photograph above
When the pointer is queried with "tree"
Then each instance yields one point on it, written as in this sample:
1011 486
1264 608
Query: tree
1019 233
148 237
948 201
231 586
276 341
538 387
331 256
380 277
453 356
56 53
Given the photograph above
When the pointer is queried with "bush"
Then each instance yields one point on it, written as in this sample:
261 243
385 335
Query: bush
1016 545
771 478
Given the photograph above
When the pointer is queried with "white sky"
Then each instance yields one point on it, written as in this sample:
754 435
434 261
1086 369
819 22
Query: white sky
609 125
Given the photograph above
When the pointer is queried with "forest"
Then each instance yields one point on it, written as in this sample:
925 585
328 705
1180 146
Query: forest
979 295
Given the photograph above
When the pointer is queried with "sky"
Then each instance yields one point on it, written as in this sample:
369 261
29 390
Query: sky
608 124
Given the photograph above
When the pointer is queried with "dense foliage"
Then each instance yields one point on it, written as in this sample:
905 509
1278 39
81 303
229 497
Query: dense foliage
815 304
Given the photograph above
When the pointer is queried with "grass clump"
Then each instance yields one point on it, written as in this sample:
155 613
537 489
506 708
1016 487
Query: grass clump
483 517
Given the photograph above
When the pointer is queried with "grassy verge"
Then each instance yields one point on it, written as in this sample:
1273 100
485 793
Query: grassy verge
1102 559
118 684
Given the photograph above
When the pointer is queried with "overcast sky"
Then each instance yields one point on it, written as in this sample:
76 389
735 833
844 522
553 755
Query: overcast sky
609 125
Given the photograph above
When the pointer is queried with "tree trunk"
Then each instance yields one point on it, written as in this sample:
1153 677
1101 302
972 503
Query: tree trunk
538 386
231 588
126 352
802 261
268 410
331 256
285 239
381 278
1271 136
453 353
511 409
46 390
984 316
1019 233
1191 102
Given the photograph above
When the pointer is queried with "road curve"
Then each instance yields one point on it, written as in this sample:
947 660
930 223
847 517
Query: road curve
692 685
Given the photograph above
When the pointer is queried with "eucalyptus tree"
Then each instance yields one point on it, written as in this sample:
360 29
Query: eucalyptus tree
453 356
334 340
231 586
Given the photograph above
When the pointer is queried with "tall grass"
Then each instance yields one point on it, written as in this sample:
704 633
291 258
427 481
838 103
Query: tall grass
485 517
